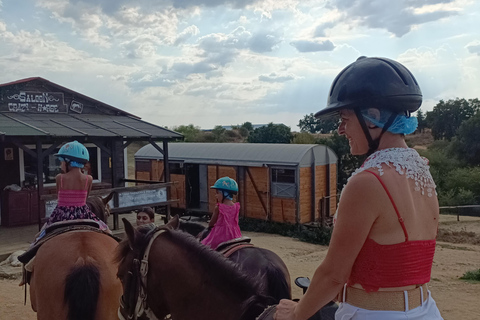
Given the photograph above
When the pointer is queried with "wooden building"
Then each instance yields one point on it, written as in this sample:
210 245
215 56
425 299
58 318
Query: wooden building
293 183
36 118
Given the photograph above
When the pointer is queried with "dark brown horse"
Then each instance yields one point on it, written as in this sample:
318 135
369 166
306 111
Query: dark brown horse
263 265
99 206
74 277
167 271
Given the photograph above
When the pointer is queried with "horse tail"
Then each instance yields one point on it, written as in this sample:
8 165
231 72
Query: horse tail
278 283
82 287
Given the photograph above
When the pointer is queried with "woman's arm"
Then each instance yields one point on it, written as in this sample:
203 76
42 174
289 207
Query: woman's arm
357 212
214 218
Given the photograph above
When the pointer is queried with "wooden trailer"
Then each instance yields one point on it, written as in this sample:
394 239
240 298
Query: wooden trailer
294 183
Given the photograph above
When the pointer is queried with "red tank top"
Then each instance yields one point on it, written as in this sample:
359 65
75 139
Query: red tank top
397 265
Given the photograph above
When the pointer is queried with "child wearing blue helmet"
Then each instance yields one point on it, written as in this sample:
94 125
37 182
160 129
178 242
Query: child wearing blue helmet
224 221
73 186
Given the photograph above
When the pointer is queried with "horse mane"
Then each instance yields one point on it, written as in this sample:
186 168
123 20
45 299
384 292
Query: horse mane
193 228
222 268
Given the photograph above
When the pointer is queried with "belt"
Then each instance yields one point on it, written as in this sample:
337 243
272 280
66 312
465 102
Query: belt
384 300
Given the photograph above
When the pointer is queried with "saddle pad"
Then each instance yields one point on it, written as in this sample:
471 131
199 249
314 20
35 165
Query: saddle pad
268 314
27 256
229 243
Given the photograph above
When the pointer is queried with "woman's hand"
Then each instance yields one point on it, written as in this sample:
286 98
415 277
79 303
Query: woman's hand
285 310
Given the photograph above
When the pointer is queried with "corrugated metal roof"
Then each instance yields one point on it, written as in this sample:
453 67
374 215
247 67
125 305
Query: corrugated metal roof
92 125
248 154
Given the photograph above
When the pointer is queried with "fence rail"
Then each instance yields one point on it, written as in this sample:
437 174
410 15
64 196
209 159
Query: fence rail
468 211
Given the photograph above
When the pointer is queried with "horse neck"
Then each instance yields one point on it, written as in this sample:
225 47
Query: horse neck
189 287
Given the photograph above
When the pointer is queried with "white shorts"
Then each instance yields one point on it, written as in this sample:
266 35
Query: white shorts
427 311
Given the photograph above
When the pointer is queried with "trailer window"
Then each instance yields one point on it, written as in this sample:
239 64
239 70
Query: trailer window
283 183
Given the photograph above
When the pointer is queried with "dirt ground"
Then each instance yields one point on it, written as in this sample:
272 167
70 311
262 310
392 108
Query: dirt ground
456 299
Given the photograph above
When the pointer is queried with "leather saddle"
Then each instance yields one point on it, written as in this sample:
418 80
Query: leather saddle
58 228
228 247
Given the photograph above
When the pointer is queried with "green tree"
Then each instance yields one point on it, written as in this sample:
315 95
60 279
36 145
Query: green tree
190 132
347 163
447 116
271 133
219 134
303 138
422 121
466 144
313 125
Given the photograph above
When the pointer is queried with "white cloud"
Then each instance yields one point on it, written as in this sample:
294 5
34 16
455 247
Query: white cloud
474 47
313 46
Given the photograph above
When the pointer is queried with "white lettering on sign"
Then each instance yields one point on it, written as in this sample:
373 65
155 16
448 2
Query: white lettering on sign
142 197
36 102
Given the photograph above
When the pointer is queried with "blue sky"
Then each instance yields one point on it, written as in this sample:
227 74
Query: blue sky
224 62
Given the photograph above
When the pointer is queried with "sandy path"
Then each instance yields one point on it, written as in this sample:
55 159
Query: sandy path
456 299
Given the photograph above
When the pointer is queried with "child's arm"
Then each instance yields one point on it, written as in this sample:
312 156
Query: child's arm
90 184
214 218
57 180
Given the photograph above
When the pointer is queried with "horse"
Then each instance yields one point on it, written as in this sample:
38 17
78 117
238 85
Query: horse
166 271
263 265
241 257
99 206
75 278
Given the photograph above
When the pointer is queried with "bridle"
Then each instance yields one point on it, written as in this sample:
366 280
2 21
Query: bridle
136 306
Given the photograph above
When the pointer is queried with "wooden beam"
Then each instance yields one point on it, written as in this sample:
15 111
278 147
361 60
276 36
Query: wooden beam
155 145
24 148
39 180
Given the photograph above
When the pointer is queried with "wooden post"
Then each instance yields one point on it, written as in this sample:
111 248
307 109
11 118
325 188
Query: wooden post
39 180
166 173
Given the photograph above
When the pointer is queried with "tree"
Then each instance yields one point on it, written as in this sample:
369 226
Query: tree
271 133
219 134
313 125
347 163
190 132
303 138
422 121
446 117
466 144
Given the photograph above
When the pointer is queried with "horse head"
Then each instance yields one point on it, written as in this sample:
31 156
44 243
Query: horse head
132 258
99 206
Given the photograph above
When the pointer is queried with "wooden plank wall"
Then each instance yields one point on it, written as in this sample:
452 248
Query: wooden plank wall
253 205
177 190
305 185
157 170
333 189
283 209
215 173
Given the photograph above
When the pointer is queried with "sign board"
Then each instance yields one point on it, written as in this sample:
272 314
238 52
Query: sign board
141 197
49 207
34 102
76 106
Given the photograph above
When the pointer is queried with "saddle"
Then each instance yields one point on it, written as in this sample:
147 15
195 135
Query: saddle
227 248
59 228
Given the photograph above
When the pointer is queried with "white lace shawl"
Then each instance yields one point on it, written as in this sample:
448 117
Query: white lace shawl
407 162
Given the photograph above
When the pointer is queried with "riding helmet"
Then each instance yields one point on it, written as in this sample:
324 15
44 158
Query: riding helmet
226 184
73 151
374 83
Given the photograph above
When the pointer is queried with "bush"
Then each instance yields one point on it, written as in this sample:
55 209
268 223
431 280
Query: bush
471 275
315 235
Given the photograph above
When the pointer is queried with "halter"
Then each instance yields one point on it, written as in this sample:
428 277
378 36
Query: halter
141 270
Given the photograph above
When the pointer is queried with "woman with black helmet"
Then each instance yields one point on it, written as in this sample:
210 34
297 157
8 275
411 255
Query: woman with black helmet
381 252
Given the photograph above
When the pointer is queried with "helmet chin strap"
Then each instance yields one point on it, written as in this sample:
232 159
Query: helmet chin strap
373 144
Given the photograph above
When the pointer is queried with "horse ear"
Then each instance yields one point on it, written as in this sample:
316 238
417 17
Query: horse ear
130 231
174 223
108 198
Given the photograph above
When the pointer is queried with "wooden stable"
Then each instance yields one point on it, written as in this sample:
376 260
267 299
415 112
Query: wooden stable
36 118
294 183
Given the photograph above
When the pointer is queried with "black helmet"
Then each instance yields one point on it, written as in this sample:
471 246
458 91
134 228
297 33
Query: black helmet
374 83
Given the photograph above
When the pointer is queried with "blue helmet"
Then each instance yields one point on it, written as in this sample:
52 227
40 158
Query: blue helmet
226 184
73 151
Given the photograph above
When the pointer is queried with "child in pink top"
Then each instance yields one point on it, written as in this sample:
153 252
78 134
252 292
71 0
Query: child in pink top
224 221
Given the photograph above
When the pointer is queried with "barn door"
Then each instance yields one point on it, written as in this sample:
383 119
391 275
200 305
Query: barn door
192 185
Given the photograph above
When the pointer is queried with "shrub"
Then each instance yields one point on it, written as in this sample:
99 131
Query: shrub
471 275
314 235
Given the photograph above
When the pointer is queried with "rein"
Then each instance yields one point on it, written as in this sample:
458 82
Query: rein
141 294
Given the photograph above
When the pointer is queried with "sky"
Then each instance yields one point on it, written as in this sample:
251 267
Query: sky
226 62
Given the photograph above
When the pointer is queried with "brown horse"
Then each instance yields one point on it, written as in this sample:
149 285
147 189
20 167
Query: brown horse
167 271
75 278
99 206
264 265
